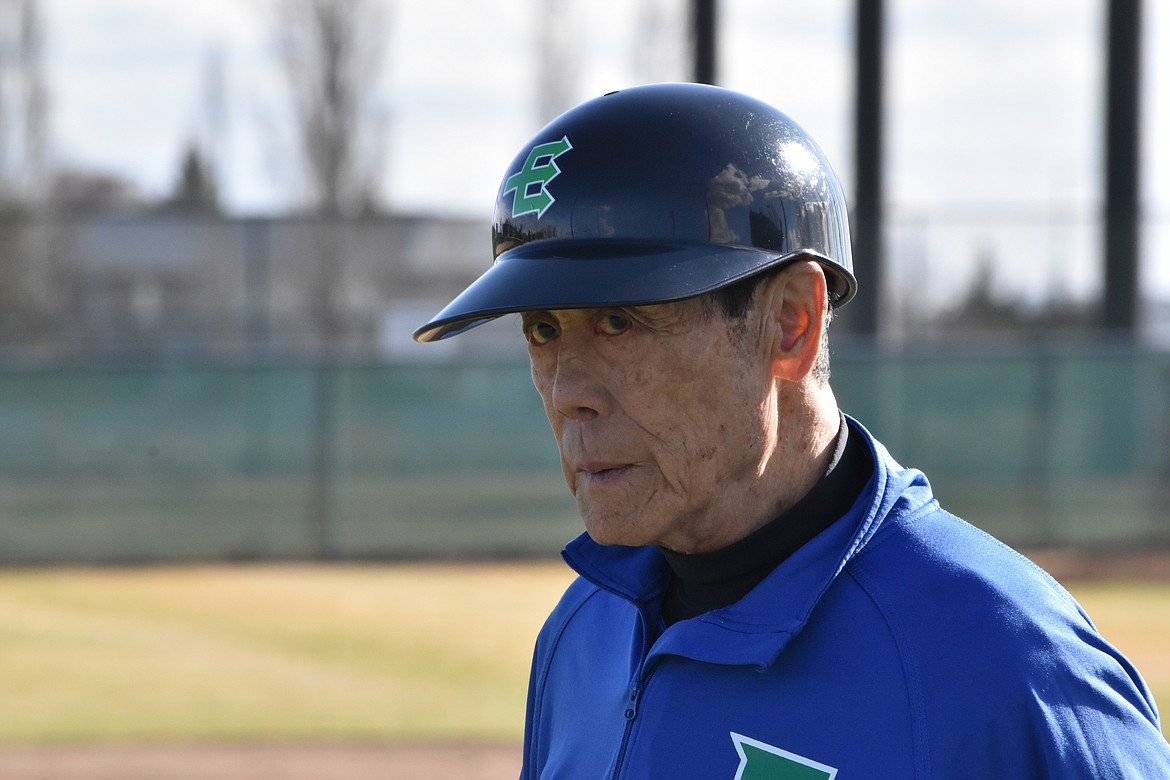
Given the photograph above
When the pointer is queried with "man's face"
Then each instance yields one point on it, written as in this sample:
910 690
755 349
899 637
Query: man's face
662 415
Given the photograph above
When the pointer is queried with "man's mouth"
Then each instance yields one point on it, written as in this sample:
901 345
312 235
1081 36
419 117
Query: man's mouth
604 473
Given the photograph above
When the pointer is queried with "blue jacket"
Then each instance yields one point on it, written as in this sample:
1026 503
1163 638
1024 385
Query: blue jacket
899 643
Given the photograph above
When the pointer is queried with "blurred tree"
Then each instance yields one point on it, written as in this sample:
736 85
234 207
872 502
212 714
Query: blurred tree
23 104
196 190
559 39
985 312
984 309
332 51
79 192
210 143
24 305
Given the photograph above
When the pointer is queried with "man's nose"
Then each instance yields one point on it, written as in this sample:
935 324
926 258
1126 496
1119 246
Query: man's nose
578 391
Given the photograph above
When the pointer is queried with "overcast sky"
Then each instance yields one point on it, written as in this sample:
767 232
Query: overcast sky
989 102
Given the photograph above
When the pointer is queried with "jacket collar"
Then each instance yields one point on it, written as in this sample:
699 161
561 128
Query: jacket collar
757 628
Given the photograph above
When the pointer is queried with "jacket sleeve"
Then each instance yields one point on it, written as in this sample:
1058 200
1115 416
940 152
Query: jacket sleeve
1009 677
1057 701
1078 714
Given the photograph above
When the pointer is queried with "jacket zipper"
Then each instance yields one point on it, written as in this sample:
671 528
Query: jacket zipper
640 682
631 715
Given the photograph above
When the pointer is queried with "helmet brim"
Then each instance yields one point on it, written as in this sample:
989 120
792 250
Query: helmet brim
577 274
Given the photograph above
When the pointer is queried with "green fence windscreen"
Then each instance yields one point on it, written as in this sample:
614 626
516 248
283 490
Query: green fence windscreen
177 463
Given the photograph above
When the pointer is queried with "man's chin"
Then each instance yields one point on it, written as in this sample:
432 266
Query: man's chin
615 531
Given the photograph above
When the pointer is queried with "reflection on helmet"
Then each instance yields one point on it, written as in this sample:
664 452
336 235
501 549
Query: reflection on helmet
654 194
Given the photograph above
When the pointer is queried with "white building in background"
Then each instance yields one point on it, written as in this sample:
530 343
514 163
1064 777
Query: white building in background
173 286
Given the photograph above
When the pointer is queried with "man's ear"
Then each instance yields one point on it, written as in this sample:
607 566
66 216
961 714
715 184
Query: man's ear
795 300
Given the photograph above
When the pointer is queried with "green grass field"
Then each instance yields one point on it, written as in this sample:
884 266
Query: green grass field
412 652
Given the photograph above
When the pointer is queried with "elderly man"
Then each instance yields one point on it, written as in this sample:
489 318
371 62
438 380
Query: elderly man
764 592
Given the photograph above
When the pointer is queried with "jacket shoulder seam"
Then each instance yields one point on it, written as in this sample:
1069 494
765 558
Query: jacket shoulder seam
910 672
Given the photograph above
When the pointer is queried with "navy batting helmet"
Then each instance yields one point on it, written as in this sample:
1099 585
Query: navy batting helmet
654 194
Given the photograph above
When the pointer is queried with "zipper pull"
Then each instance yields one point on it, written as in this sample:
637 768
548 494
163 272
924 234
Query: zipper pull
632 707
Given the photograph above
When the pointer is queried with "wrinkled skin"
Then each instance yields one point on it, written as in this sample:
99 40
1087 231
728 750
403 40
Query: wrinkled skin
679 427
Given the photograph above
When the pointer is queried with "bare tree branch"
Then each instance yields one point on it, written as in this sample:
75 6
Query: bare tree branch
23 103
331 51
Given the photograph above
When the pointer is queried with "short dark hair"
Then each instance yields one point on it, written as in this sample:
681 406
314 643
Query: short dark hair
735 298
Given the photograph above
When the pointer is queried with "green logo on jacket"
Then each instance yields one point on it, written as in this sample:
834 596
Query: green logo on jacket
759 761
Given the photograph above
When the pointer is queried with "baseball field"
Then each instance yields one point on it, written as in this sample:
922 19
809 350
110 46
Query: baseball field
298 671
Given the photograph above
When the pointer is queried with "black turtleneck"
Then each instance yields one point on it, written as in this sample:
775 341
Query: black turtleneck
702 582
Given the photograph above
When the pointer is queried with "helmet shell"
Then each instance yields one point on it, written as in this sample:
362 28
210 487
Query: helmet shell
653 194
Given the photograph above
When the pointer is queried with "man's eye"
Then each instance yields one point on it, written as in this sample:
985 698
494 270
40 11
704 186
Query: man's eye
613 324
539 332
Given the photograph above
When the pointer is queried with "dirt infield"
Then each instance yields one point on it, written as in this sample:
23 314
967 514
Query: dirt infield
418 762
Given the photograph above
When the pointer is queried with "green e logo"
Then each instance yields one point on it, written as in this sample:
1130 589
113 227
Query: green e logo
530 183
759 761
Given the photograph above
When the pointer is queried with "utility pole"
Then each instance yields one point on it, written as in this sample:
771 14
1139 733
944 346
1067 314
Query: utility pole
704 35
1119 312
868 214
